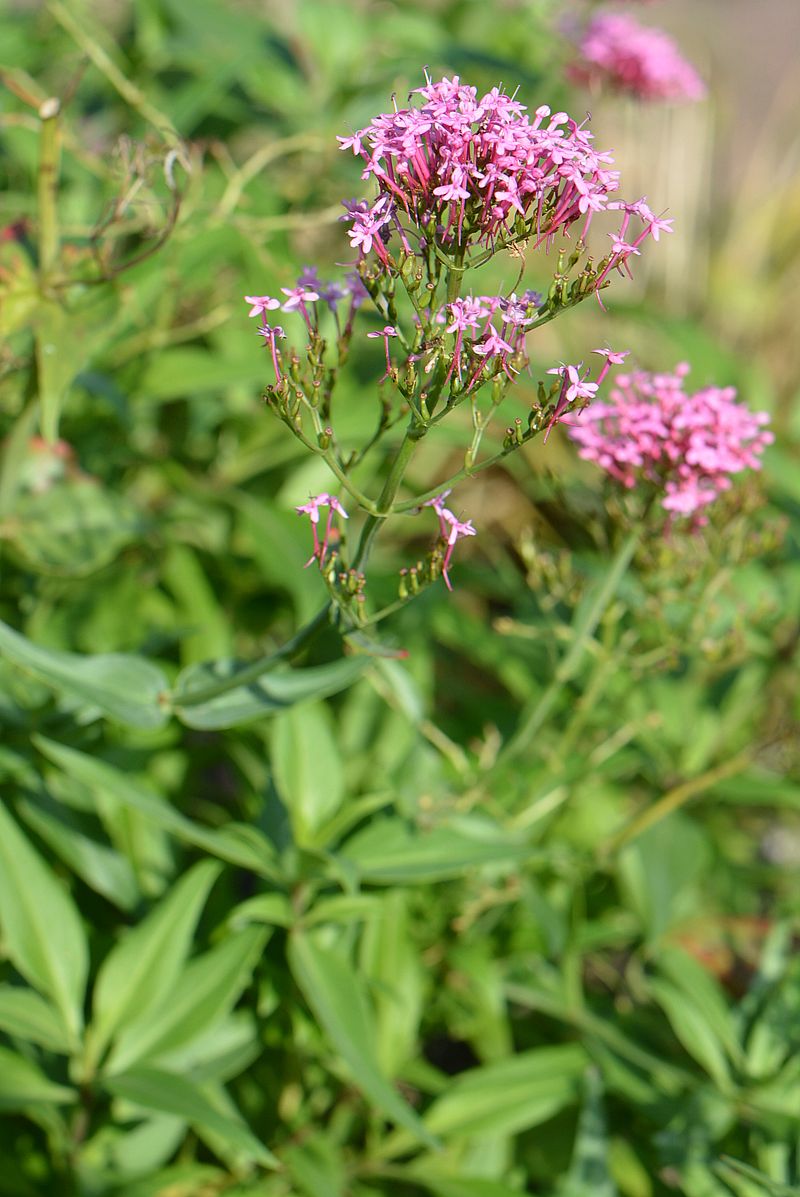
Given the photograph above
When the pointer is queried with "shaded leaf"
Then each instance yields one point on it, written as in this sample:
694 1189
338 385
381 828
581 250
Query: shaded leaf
236 843
126 688
25 1013
23 1084
266 695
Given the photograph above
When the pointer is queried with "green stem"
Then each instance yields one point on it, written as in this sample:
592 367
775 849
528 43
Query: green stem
465 472
413 435
47 189
251 673
673 800
533 719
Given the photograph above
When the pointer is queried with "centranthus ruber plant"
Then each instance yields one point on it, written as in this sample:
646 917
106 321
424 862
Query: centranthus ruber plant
458 179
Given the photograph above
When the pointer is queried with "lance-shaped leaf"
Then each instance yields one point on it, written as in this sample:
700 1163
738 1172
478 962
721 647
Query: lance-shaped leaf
154 1089
23 1084
255 697
24 1013
237 843
145 965
338 998
43 933
201 996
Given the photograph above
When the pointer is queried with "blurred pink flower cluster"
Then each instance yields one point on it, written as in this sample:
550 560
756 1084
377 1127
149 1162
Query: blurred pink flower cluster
617 51
688 444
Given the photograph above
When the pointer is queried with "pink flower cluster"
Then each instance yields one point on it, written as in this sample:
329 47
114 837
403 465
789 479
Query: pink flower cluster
644 62
460 166
488 328
688 444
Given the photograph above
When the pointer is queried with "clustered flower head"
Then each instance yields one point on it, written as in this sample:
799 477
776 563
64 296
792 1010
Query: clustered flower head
461 167
617 51
689 445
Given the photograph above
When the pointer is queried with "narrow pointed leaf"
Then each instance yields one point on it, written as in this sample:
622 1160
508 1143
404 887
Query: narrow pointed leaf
236 843
24 1013
23 1084
338 998
266 695
204 993
145 965
154 1089
44 936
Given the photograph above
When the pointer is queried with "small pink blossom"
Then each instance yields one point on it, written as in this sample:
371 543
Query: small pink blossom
451 529
311 509
261 304
271 333
386 332
688 445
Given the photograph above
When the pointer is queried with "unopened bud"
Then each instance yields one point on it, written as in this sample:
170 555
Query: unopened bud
324 438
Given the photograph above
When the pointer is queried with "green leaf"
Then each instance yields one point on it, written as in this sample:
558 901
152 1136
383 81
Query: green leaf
24 1013
22 1083
154 1089
511 1095
309 774
203 994
103 869
236 843
43 933
589 1174
426 1174
145 965
338 999
266 695
389 852
704 993
126 688
692 1029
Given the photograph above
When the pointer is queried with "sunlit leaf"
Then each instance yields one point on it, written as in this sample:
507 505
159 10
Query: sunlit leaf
338 998
42 928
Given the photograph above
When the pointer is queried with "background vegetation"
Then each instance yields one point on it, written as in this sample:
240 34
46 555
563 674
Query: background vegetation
516 913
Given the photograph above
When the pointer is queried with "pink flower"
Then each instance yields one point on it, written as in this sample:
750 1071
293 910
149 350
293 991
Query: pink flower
644 62
311 509
271 333
451 530
387 331
261 304
688 445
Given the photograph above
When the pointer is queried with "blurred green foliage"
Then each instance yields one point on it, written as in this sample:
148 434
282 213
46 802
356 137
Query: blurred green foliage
514 914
